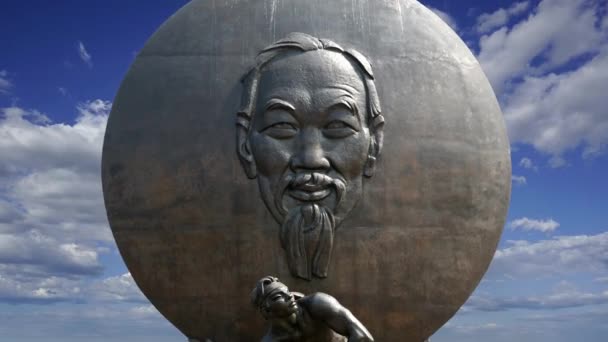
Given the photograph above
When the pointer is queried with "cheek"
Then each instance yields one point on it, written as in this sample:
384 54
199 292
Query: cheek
349 155
271 155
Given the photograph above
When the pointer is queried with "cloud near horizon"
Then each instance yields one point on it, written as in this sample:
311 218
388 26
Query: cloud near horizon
558 256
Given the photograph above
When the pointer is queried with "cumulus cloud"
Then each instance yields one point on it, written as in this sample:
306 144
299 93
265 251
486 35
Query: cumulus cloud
119 288
84 54
52 217
48 254
558 256
50 289
526 224
558 112
445 17
488 21
5 83
557 31
549 108
23 286
519 180
527 163
29 142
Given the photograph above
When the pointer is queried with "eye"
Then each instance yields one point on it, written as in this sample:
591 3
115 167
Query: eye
281 130
338 129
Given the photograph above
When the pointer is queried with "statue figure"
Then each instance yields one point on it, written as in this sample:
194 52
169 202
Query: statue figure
295 317
310 130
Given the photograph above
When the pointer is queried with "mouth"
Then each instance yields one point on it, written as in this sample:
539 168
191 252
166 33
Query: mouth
309 192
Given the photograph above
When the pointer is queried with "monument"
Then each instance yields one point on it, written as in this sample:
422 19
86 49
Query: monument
352 149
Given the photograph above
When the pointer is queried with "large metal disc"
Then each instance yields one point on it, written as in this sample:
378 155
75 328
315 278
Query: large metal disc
194 230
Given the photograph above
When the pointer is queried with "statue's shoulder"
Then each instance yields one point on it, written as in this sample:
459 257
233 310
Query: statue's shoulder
321 298
320 304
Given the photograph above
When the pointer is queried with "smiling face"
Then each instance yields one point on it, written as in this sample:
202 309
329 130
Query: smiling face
309 137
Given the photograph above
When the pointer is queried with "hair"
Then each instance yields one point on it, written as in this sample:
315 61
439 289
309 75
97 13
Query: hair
303 42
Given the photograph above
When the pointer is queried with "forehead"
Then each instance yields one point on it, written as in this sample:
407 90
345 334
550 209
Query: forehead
280 289
297 73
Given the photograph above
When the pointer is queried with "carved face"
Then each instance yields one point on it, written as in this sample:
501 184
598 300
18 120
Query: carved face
280 303
309 137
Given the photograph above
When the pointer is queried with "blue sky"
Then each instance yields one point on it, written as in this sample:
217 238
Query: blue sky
61 278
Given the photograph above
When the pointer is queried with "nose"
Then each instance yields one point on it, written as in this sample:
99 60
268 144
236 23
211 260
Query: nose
310 155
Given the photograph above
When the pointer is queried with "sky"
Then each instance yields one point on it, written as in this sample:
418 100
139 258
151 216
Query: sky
62 279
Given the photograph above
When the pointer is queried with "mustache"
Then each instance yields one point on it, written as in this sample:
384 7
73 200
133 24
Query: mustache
311 179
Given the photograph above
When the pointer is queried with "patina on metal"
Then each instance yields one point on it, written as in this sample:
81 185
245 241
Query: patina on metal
292 316
310 129
407 246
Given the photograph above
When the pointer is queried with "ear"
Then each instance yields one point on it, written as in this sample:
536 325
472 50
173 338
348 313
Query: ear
243 148
375 146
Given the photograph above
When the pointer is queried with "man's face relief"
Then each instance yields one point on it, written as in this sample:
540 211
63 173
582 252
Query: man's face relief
309 136
309 145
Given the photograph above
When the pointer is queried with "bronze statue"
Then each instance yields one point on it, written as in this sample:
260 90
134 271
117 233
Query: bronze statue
309 130
293 316
403 250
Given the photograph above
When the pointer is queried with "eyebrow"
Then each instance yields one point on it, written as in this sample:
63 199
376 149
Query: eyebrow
278 103
347 101
345 87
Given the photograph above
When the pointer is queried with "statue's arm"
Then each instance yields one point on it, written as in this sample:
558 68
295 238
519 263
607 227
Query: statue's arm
326 308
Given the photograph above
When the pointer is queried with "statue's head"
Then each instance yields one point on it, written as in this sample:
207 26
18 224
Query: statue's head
310 130
273 298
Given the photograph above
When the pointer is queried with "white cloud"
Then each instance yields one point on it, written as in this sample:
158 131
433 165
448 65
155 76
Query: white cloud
105 322
524 223
527 163
37 290
569 298
49 254
28 142
558 31
488 21
552 110
117 288
84 54
52 216
558 112
473 328
519 180
25 286
560 255
5 83
446 18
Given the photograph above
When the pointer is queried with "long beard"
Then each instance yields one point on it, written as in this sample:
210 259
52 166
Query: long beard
307 236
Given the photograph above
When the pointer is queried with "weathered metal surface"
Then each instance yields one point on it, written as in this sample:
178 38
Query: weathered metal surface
193 229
